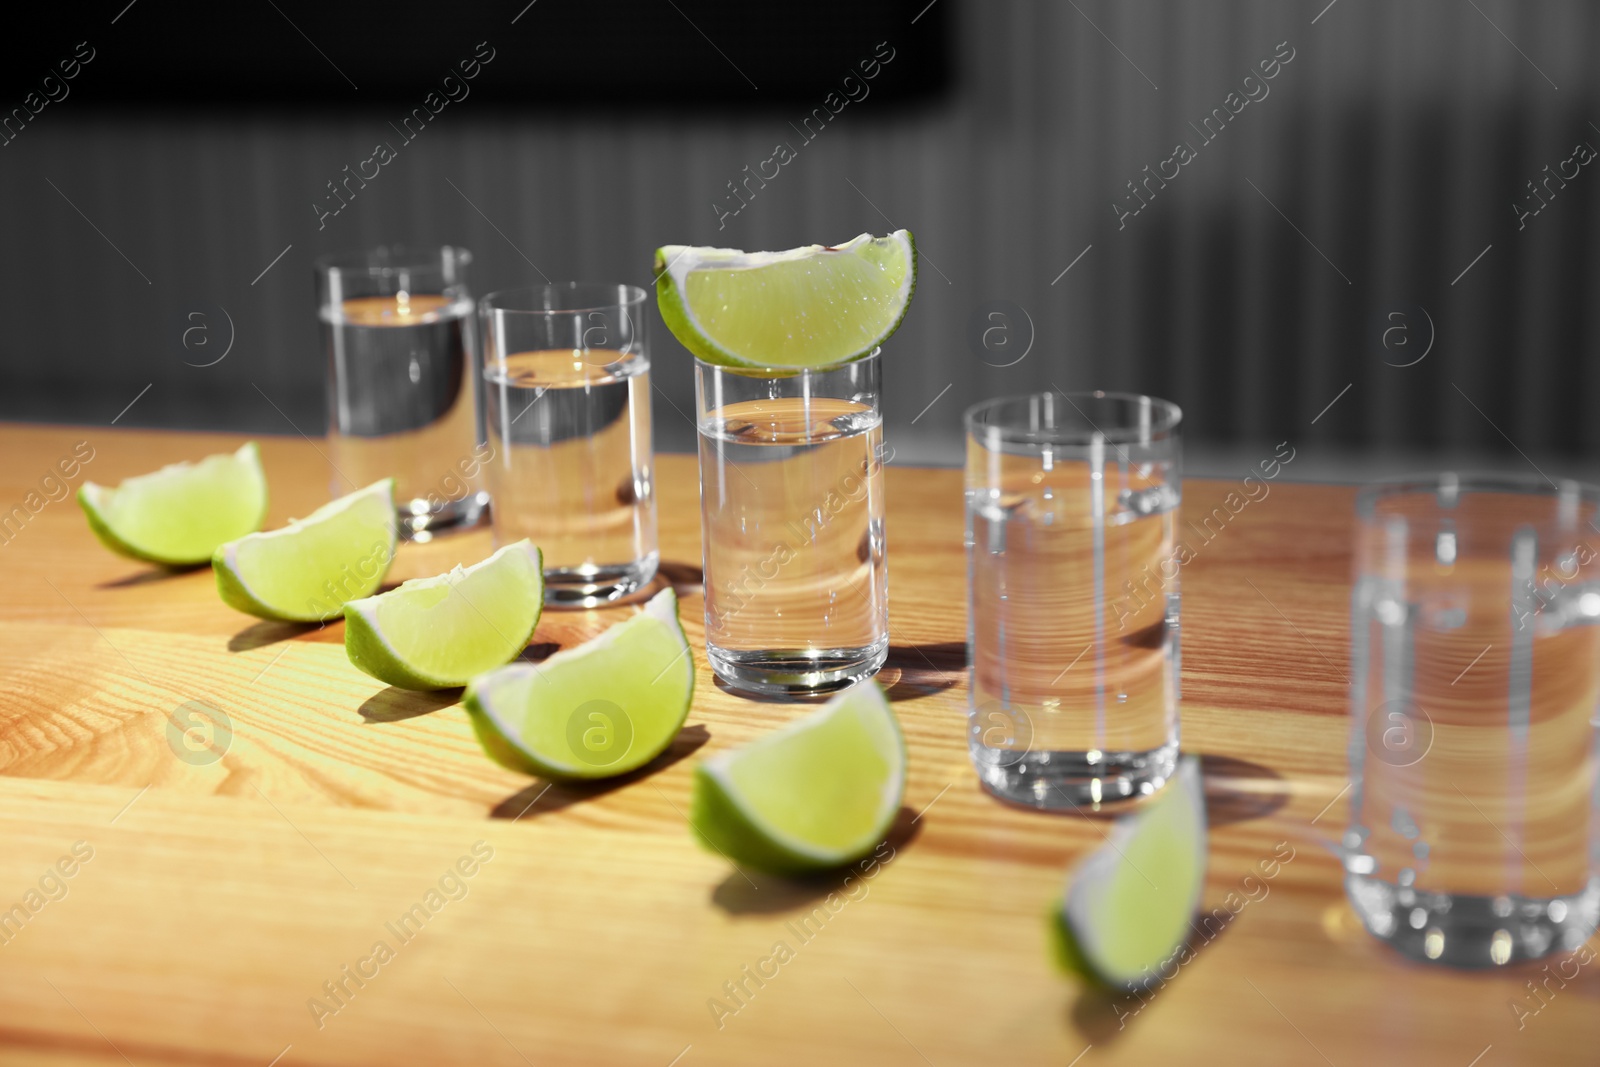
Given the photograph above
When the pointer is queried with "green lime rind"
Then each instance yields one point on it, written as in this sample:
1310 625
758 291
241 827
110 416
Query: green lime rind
307 570
441 632
1067 953
777 311
178 515
1129 904
816 794
604 708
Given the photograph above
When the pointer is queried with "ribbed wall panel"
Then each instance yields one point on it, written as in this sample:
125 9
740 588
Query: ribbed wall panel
1395 142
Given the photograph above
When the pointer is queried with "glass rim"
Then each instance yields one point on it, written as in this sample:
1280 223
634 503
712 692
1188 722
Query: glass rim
789 372
406 258
630 297
1166 416
1441 483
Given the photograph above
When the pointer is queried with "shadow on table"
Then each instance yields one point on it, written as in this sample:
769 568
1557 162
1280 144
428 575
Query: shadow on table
395 704
750 892
906 683
1102 1015
912 671
263 633
542 797
946 657
686 579
538 652
155 573
1238 790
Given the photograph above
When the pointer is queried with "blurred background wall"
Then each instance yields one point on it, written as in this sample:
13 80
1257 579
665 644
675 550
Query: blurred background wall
1373 228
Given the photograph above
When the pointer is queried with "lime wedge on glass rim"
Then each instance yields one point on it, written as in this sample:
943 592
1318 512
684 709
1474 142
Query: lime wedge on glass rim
307 570
813 306
604 708
438 633
178 515
1129 905
818 793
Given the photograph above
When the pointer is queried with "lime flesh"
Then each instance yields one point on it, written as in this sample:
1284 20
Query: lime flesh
1129 905
813 306
818 793
178 515
306 571
437 633
604 708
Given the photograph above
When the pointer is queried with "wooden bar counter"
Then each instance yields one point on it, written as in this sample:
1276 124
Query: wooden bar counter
213 904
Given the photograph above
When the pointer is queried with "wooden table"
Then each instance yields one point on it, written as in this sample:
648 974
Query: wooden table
220 896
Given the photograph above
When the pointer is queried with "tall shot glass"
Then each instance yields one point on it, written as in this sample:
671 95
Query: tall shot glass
1475 676
1072 596
791 505
566 373
397 328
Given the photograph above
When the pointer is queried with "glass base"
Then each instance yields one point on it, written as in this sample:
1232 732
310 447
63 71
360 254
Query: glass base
593 586
1472 931
1064 781
796 671
418 523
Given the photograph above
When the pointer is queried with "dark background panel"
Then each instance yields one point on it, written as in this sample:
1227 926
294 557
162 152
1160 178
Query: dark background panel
304 54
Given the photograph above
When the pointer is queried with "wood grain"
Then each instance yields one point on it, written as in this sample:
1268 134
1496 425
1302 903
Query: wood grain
221 896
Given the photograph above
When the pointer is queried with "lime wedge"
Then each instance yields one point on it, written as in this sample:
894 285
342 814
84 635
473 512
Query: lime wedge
306 571
1129 905
606 707
178 515
812 306
817 793
438 633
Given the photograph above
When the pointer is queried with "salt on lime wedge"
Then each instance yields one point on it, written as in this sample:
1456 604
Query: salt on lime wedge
818 793
606 707
813 306
1129 904
438 633
178 515
306 571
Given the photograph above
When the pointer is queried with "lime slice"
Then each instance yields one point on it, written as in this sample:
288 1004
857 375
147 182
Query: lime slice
178 515
438 633
606 707
813 306
1129 905
306 571
818 793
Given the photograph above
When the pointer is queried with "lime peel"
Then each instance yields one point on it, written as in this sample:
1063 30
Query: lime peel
818 793
440 632
178 515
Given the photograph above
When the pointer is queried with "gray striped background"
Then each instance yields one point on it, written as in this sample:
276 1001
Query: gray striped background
1395 142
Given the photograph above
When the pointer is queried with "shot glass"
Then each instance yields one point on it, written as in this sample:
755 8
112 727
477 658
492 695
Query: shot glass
1474 679
1072 596
397 327
791 509
566 370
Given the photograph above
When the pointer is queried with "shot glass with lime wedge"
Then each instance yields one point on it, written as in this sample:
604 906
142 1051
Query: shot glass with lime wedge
788 404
